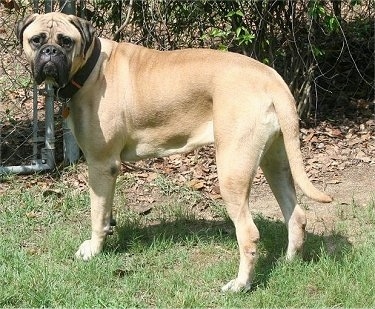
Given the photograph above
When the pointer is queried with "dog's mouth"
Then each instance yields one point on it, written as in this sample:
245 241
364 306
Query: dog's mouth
51 64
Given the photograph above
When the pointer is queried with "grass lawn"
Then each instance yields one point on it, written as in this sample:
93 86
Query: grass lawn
172 256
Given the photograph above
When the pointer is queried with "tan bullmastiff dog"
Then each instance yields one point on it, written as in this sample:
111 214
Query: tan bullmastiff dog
129 103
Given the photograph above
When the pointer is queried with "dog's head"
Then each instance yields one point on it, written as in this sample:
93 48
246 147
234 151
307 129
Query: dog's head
56 45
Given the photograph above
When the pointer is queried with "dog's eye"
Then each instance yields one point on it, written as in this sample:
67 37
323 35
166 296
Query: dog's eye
66 42
36 40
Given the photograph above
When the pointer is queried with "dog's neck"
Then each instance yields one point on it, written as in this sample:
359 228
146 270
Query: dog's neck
81 76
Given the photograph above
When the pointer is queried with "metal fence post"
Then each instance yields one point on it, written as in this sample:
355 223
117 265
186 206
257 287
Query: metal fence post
70 147
48 152
47 161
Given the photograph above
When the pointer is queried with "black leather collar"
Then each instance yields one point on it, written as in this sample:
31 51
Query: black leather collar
81 76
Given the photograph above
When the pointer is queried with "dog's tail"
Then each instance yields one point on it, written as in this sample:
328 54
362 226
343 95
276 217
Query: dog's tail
285 107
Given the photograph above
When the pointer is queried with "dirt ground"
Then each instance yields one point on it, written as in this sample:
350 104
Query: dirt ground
352 188
356 185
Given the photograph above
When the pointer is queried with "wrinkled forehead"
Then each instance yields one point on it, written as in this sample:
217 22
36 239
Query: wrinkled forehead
52 22
52 25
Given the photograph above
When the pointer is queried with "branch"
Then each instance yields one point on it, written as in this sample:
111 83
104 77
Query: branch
116 36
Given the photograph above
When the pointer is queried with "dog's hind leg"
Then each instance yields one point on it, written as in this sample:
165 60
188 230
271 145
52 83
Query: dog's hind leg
102 180
236 170
275 166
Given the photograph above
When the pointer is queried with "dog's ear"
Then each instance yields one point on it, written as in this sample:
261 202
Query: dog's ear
22 25
87 32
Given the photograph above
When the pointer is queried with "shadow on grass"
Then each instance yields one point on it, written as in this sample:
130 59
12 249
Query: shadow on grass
272 245
274 240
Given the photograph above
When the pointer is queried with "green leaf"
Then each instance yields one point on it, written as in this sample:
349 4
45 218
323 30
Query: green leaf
239 13
238 31
317 51
235 13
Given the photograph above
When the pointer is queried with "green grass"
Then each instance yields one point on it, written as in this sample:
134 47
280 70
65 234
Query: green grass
171 257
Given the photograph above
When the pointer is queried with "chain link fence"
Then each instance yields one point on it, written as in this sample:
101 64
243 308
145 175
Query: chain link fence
16 98
324 50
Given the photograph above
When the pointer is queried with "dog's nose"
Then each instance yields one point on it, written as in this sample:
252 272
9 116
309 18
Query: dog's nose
49 50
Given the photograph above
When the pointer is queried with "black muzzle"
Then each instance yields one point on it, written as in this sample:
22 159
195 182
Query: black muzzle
51 63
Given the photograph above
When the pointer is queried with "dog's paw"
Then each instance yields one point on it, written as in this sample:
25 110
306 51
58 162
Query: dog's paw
236 286
87 250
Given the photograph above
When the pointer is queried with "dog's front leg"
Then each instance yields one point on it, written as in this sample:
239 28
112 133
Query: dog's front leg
102 180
